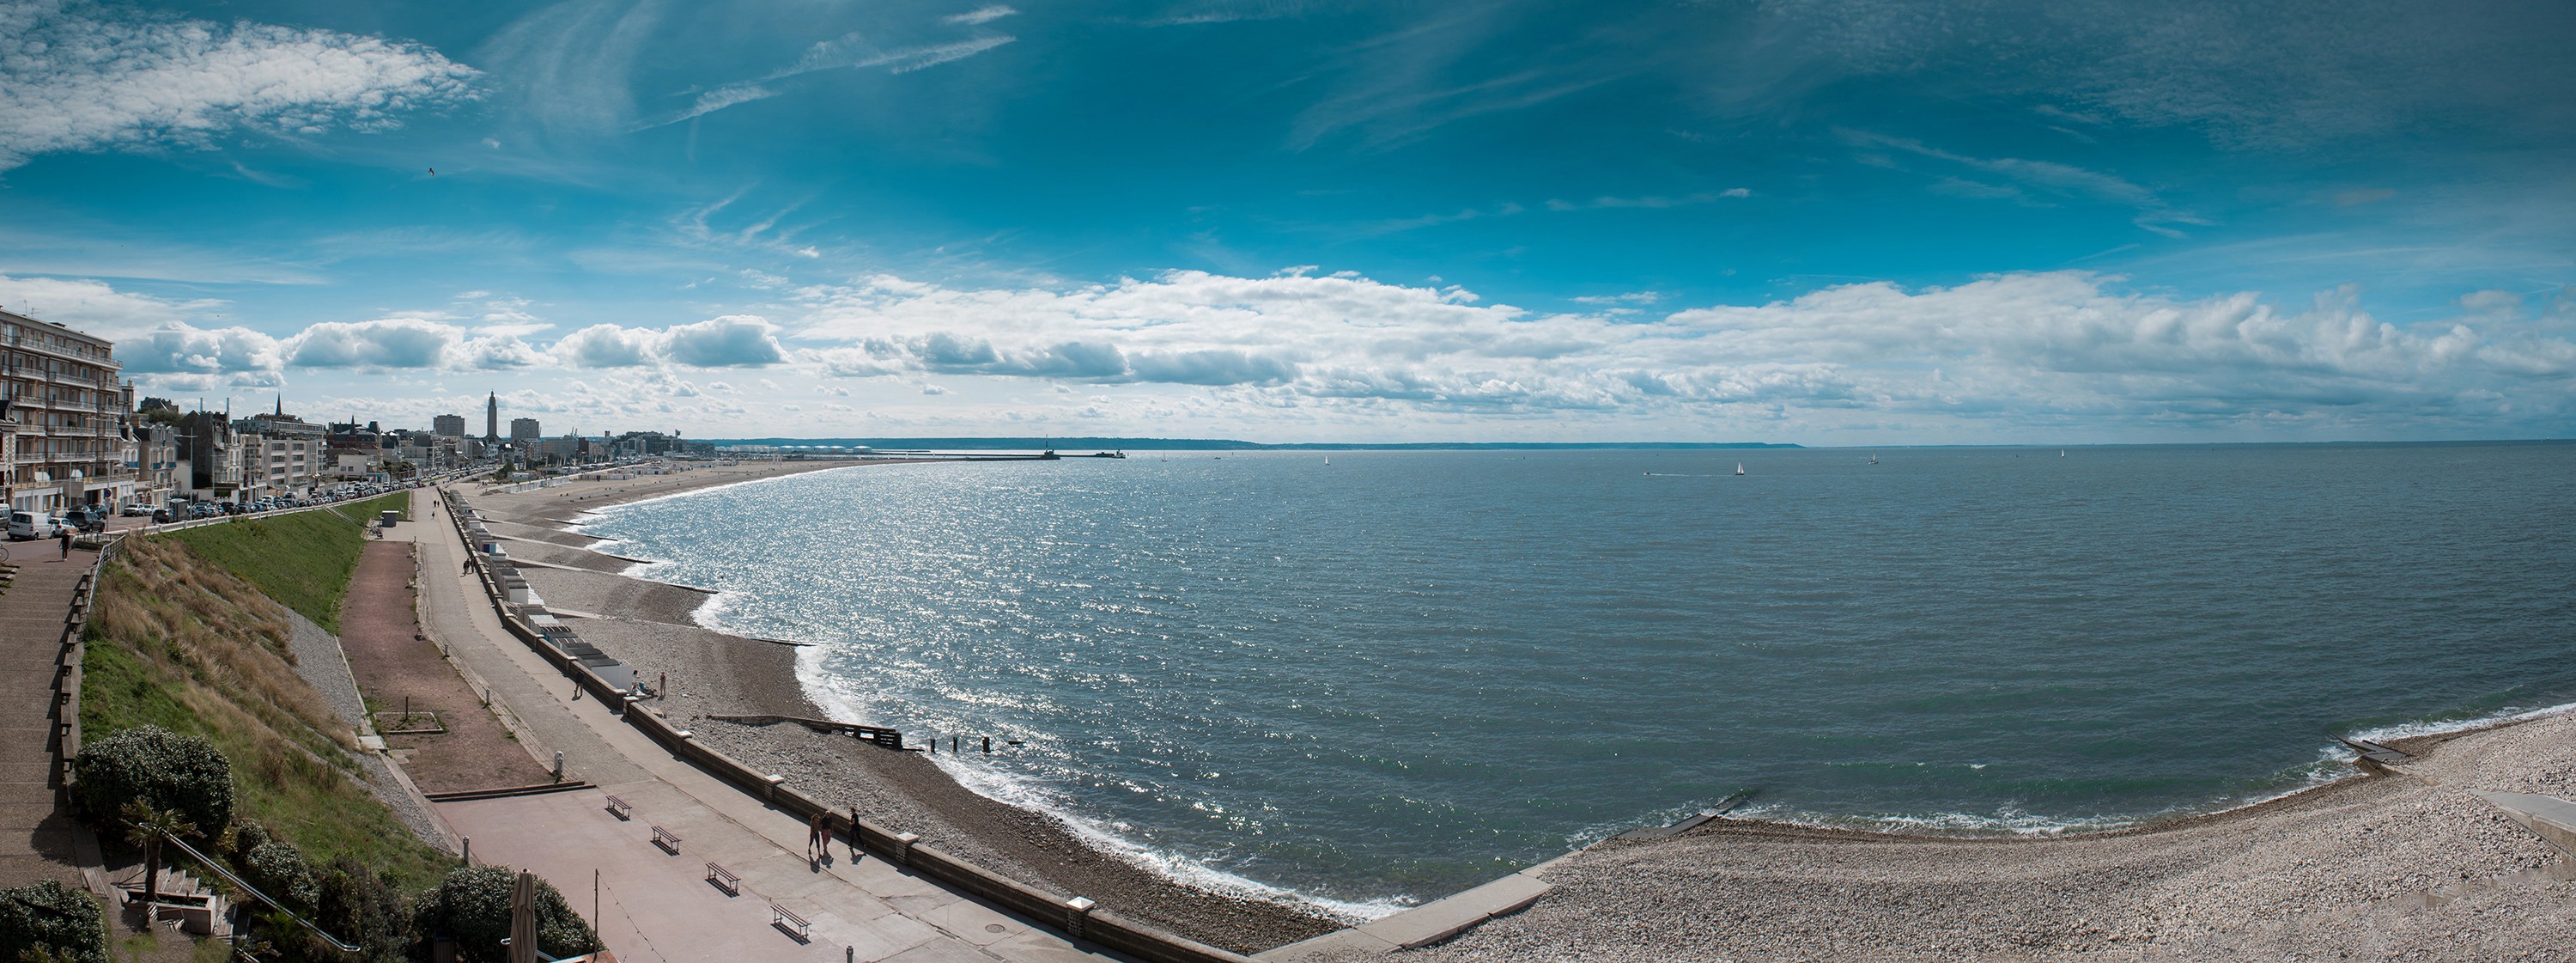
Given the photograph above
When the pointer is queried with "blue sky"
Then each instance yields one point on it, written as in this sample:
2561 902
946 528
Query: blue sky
1839 222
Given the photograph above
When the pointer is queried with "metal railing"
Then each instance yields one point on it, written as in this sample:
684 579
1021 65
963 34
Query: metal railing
264 898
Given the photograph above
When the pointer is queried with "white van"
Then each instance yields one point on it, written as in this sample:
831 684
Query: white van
27 525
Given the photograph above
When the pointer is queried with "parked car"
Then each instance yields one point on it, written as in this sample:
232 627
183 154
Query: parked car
85 520
135 510
31 525
163 516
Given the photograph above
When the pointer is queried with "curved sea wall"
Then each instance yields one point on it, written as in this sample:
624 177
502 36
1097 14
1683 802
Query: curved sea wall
1069 914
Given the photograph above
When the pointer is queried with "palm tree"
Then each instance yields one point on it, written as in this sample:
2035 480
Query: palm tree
147 827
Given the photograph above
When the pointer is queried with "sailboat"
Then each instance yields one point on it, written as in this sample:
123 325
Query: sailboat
1328 461
1739 468
2061 453
1873 458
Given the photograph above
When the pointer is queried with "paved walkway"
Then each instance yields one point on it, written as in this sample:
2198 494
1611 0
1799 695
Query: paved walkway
35 840
657 905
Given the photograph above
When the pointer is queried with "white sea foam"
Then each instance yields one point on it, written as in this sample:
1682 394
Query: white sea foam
2506 716
1030 794
1027 792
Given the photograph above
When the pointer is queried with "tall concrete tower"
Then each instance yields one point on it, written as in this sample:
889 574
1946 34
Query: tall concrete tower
492 417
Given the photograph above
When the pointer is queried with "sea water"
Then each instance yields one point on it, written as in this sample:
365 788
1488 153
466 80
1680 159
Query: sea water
1397 674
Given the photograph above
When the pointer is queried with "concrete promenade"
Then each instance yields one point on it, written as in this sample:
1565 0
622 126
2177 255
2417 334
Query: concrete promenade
655 905
35 838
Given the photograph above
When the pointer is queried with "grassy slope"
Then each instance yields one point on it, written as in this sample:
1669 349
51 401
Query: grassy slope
181 643
303 560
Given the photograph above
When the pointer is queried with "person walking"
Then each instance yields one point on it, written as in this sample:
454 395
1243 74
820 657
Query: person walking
65 535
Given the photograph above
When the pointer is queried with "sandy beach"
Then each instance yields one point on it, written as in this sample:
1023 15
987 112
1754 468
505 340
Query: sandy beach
2408 863
650 625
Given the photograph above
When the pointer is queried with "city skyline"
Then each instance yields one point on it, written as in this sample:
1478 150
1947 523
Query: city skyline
1819 223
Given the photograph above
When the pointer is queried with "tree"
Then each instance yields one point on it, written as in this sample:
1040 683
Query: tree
52 922
472 906
363 906
148 827
278 869
159 768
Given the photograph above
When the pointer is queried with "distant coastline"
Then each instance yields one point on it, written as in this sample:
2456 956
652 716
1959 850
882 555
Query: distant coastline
1228 444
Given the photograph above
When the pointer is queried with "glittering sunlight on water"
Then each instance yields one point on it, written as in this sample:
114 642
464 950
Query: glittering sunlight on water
1400 674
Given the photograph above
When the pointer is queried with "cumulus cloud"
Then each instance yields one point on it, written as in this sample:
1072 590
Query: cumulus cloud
385 343
2015 346
732 341
606 346
236 353
76 76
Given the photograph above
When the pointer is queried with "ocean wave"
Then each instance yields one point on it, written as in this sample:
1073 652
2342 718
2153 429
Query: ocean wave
2435 727
1034 795
2006 822
1029 793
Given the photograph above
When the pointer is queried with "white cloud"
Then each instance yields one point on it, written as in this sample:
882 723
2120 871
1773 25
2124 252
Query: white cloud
2017 348
77 77
383 343
983 14
605 346
732 341
239 354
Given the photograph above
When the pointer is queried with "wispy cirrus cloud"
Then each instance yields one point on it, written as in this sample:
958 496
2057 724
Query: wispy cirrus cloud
2046 177
981 15
83 77
852 51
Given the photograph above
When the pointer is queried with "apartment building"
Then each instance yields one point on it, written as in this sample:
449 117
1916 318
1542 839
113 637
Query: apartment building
282 455
67 418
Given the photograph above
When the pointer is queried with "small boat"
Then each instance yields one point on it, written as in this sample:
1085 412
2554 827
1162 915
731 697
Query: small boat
1873 458
1328 461
2061 453
1739 468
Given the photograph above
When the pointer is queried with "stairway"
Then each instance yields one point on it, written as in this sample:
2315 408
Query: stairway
184 900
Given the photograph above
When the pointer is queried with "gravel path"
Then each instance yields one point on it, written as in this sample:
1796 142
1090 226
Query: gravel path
320 661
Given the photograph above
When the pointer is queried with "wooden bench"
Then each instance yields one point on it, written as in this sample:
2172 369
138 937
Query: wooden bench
669 841
724 879
618 808
789 923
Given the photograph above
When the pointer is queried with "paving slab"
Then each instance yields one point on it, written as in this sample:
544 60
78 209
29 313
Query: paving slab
1424 925
2550 817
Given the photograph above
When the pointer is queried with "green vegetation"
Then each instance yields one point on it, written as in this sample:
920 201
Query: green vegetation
181 644
303 560
51 921
366 512
154 767
473 904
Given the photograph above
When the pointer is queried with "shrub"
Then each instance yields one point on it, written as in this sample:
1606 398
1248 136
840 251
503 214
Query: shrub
245 836
163 769
472 906
50 918
365 907
278 870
